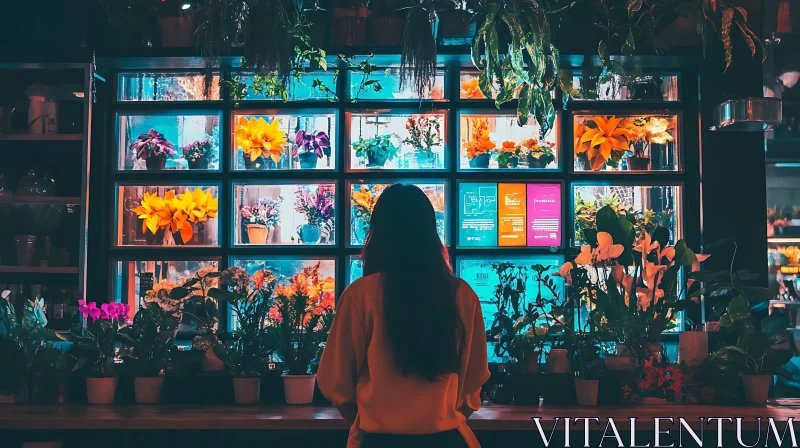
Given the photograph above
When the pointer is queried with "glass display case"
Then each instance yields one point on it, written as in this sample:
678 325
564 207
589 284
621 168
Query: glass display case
648 87
396 141
494 214
285 214
645 142
168 141
494 140
165 86
653 206
285 140
302 88
364 196
184 215
385 84
136 282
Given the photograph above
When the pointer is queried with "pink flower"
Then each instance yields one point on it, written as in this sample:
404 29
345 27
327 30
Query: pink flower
275 314
90 311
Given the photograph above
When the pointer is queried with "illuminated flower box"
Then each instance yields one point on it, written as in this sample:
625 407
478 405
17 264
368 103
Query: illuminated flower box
497 141
380 141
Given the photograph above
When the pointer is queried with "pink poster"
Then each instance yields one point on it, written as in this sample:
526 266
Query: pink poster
544 215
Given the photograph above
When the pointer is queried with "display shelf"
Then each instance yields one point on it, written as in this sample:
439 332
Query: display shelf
9 199
41 137
775 240
39 269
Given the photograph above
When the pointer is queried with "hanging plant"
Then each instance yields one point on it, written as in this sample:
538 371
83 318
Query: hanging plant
220 27
418 53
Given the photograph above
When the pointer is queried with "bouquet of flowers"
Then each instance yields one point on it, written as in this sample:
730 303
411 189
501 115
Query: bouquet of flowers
152 144
423 133
265 212
317 206
540 153
199 152
480 143
178 212
96 341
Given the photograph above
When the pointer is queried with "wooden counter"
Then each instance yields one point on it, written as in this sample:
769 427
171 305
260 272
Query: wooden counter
489 418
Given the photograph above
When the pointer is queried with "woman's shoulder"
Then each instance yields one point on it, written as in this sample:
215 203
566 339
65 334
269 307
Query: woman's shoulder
364 286
466 295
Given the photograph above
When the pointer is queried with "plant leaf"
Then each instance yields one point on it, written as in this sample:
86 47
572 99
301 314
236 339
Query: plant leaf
727 18
633 7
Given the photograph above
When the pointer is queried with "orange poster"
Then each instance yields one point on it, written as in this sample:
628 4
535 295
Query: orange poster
511 203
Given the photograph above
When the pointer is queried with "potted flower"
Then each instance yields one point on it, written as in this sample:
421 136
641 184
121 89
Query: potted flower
645 132
261 220
154 149
661 381
261 142
508 155
96 343
423 135
480 147
199 154
178 213
248 350
539 154
13 363
376 150
363 202
310 147
588 367
148 346
600 142
318 209
301 317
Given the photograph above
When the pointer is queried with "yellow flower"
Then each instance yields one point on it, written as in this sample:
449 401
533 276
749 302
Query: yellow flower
470 89
206 205
183 216
365 200
596 143
153 212
657 128
258 138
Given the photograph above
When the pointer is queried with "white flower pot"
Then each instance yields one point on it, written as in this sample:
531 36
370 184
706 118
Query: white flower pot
693 347
246 390
101 390
557 361
756 387
148 389
586 392
299 389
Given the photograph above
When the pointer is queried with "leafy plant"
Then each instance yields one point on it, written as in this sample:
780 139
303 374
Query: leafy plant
95 342
423 133
197 288
378 146
754 352
150 340
13 363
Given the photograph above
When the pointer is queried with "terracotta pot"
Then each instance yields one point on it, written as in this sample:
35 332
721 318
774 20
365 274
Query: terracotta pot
257 233
212 363
557 361
387 31
176 31
586 392
246 390
148 389
101 390
756 387
299 389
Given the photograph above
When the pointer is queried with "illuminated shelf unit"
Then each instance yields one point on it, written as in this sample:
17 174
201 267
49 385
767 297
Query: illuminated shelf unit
446 174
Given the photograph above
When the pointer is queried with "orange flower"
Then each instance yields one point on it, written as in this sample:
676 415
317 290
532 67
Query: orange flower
285 291
508 147
530 143
300 284
258 278
480 143
470 89
597 142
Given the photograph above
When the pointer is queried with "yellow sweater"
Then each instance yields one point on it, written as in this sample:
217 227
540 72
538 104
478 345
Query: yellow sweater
357 367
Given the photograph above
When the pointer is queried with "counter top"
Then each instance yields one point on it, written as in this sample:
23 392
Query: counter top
311 417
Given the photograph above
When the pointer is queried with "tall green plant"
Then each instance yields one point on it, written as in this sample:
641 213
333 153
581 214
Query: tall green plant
150 341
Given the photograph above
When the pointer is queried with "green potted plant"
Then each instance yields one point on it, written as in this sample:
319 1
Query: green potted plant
539 153
300 322
199 154
376 150
250 343
508 155
261 221
318 209
423 135
588 365
148 345
206 315
95 343
49 366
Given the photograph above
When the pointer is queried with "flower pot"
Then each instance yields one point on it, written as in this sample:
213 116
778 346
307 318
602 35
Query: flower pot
48 388
257 233
308 160
619 363
147 390
212 363
422 160
349 27
692 347
387 31
533 162
586 392
510 163
199 164
481 161
299 389
156 163
638 163
258 164
376 157
101 390
176 31
26 244
309 234
557 361
756 387
152 239
246 390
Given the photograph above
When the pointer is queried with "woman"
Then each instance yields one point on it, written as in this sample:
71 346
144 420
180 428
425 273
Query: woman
406 356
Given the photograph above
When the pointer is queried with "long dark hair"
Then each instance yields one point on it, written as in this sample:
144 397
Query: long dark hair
423 326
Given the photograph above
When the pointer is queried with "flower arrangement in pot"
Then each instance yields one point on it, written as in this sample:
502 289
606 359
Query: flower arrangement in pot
200 154
301 318
588 367
96 345
176 213
539 153
193 298
318 208
310 147
363 202
154 149
480 147
508 155
645 131
261 221
250 344
262 143
600 142
424 133
148 345
376 150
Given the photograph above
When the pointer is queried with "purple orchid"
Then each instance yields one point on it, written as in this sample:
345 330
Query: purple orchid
111 311
152 144
319 143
